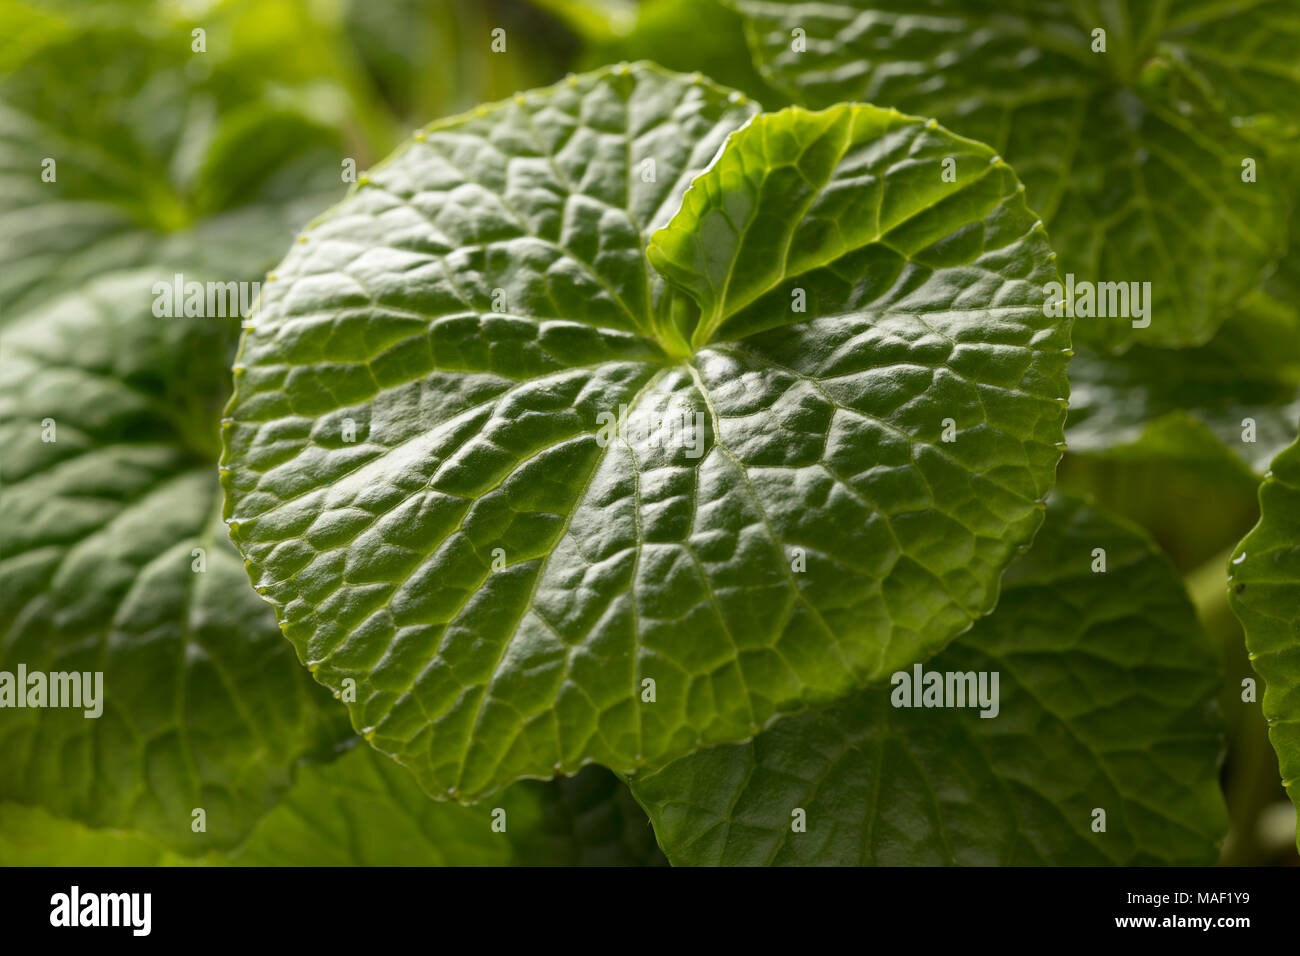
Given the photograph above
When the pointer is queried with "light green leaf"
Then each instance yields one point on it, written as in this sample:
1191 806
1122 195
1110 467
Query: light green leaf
1106 688
114 559
683 35
425 469
1133 156
120 149
365 810
595 20
438 58
30 836
1264 591
845 207
27 27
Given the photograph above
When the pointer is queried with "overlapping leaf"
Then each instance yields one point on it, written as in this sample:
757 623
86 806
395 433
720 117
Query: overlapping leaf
114 559
1232 401
1133 156
1235 399
418 472
1106 687
364 810
1264 591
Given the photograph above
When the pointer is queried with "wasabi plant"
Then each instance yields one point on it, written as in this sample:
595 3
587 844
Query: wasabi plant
636 469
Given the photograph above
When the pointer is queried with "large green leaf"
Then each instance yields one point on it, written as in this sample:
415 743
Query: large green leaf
364 810
1264 591
1106 685
1132 156
108 419
499 579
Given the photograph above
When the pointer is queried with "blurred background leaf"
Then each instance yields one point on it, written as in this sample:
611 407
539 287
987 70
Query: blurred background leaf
364 810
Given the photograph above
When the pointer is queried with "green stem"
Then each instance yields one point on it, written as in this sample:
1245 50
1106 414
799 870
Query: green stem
1208 588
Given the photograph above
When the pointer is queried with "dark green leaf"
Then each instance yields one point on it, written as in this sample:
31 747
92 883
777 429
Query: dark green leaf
110 505
1106 696
1231 402
1264 590
364 810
